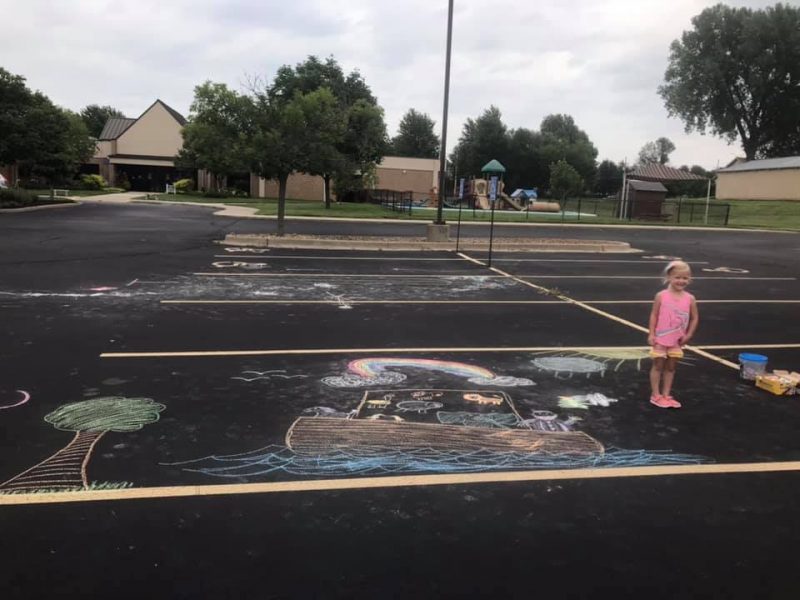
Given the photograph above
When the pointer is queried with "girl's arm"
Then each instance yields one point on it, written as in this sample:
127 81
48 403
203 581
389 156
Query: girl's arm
694 321
651 338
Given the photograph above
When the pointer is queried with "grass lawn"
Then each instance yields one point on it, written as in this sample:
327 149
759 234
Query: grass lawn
79 193
744 213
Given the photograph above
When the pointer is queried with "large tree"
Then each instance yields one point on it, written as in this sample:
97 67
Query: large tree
657 152
95 117
565 181
365 140
415 136
608 179
736 73
215 136
562 139
481 140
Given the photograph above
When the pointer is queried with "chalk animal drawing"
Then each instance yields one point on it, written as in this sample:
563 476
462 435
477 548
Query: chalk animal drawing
326 411
545 420
275 373
90 420
367 372
481 399
464 438
418 406
378 403
23 399
583 402
569 365
238 264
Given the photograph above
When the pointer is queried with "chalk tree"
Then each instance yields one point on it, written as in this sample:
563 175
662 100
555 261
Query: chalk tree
90 420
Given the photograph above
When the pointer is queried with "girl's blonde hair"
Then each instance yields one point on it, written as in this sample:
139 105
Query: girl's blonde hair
676 265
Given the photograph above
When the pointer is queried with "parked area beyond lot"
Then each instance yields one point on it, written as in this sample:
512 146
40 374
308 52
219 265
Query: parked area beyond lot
412 424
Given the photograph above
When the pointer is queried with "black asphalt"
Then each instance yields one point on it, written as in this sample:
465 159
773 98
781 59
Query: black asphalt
78 282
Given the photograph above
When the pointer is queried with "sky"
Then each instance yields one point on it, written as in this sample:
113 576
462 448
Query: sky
599 61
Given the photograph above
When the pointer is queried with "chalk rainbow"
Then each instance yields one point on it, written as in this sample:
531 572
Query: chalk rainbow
372 367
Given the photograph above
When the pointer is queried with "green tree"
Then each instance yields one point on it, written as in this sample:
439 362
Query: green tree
563 140
90 420
416 137
526 164
96 116
565 181
481 140
16 100
609 178
735 74
657 152
363 143
216 133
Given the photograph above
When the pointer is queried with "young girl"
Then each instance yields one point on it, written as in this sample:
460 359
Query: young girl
673 321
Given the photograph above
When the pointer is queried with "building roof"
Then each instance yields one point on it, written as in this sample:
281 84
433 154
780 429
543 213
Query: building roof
646 186
529 193
768 164
176 115
664 173
115 127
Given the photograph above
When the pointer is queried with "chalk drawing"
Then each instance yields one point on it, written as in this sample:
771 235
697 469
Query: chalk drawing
663 257
340 301
726 270
471 419
375 404
244 250
102 289
275 373
569 365
90 420
382 417
325 411
545 420
265 463
237 264
419 406
24 397
583 402
366 372
481 399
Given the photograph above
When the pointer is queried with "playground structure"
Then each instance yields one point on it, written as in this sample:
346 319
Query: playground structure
477 190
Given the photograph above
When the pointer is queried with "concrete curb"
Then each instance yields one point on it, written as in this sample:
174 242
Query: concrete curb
266 241
43 207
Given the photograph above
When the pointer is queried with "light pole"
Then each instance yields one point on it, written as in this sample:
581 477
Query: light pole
443 148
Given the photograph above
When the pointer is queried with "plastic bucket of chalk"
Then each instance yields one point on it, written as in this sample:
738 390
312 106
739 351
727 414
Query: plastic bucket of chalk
751 365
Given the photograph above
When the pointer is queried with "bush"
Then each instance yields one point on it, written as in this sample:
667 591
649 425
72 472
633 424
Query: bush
123 181
93 182
216 194
184 185
16 198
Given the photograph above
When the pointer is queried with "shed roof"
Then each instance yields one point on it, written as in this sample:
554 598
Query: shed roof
664 173
115 127
768 164
646 186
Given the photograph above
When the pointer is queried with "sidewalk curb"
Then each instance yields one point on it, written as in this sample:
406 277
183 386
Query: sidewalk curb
41 207
266 241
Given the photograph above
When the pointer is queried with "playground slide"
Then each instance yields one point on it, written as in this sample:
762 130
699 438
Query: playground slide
482 202
511 202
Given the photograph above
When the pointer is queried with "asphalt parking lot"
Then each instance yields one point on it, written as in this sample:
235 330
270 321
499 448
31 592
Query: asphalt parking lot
242 364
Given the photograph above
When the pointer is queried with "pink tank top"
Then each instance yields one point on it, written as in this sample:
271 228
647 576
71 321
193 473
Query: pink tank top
673 317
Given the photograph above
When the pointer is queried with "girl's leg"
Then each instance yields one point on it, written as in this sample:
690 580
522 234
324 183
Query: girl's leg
669 375
655 376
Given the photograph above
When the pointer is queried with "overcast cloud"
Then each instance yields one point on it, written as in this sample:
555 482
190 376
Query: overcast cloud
600 62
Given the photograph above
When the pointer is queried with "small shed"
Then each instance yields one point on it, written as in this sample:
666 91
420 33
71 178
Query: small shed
646 198
526 195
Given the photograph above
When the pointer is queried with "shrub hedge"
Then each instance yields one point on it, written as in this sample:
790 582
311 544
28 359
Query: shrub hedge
16 198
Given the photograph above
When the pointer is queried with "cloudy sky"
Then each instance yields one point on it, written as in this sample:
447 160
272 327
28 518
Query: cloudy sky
599 61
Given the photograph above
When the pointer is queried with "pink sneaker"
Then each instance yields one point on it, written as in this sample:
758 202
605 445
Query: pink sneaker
659 401
671 402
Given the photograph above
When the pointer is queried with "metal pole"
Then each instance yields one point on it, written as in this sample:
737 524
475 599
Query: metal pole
443 149
708 199
622 193
491 236
458 228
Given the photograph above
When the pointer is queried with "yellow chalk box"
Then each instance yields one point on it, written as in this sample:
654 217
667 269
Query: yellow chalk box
776 384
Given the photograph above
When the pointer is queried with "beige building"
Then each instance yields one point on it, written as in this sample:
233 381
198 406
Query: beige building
398 173
142 150
769 179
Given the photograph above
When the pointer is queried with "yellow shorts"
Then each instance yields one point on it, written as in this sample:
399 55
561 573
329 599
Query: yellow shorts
659 351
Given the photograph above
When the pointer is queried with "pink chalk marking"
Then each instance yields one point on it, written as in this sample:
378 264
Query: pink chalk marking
102 289
25 397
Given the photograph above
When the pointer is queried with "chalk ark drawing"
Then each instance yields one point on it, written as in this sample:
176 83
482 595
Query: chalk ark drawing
22 399
90 420
367 372
569 366
726 270
272 374
545 420
238 264
583 402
